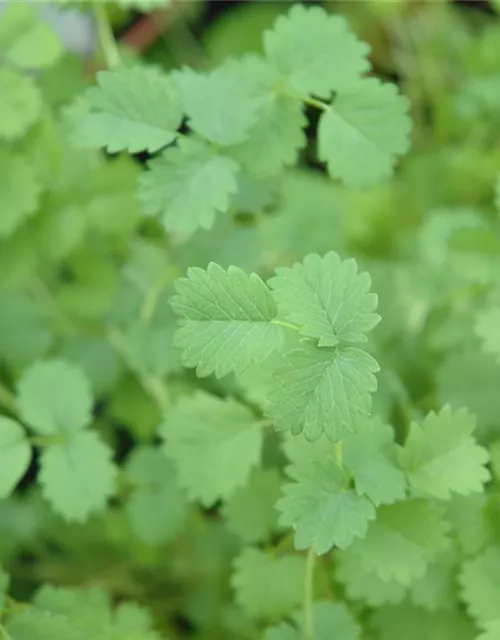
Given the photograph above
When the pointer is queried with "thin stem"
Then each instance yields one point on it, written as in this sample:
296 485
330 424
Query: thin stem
8 399
106 37
318 104
287 325
308 594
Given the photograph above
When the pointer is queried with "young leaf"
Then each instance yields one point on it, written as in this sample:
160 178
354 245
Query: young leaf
480 585
322 390
54 397
361 134
441 456
19 192
157 508
21 103
187 185
327 298
268 587
315 52
134 109
402 540
371 456
214 443
227 320
77 476
322 509
15 455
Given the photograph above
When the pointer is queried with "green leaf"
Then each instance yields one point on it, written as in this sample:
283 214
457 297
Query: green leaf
143 5
327 298
492 631
227 320
221 105
471 523
19 192
330 620
26 40
321 508
441 456
214 443
134 109
78 476
21 104
187 185
156 509
83 603
15 455
480 585
54 397
149 350
250 512
371 456
368 121
437 589
96 358
268 587
487 330
402 540
315 52
34 624
322 390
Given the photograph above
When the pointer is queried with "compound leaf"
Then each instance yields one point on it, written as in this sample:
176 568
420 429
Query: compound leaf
327 298
316 53
441 456
134 109
54 397
214 443
321 508
361 134
15 455
227 320
322 390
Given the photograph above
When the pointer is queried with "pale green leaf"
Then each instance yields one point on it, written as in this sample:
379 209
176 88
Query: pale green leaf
15 455
78 475
322 390
492 631
227 320
134 109
327 298
480 585
21 103
35 624
187 185
19 192
371 456
402 540
149 349
26 40
322 509
363 132
268 587
315 52
54 397
156 508
441 456
437 589
471 522
214 444
251 512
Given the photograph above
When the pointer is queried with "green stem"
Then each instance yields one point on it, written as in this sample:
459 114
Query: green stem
106 37
318 104
7 399
308 595
287 325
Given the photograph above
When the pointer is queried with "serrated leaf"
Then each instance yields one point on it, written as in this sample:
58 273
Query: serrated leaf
26 40
441 456
321 508
327 298
134 109
371 456
19 192
470 522
34 624
187 185
251 512
480 585
368 121
402 540
54 397
214 443
84 603
437 589
227 320
157 508
315 52
268 587
221 105
15 455
21 103
78 475
322 390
